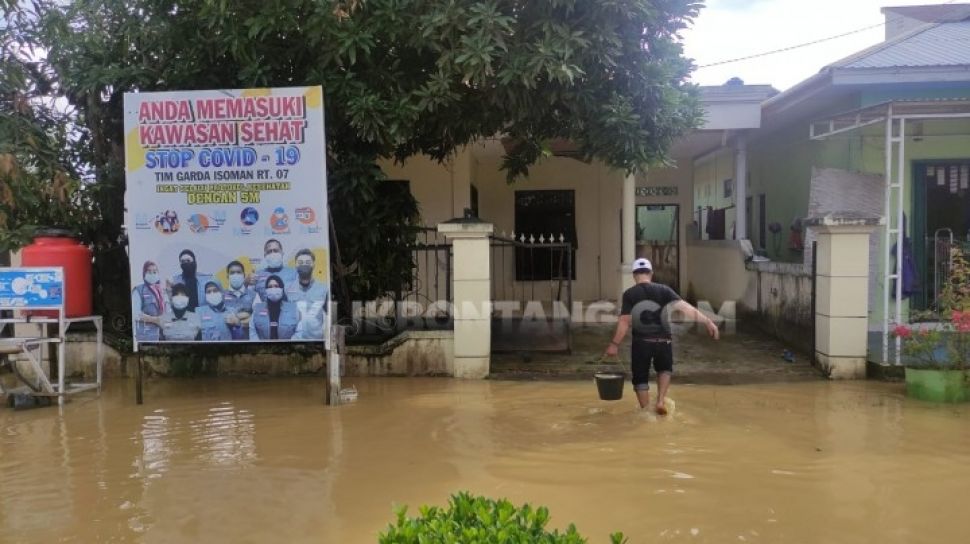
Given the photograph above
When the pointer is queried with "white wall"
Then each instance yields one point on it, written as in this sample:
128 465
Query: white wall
598 192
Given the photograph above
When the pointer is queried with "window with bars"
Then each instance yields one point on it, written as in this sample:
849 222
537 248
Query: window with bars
542 213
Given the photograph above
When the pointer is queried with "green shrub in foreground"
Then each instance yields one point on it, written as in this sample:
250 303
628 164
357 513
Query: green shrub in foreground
480 520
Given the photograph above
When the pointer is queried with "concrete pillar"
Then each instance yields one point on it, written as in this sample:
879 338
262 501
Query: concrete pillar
841 292
471 286
629 222
741 189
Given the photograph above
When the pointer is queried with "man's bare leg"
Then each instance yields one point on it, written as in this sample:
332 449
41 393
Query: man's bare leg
643 396
663 383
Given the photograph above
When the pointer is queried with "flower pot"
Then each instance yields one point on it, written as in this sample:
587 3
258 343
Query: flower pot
938 385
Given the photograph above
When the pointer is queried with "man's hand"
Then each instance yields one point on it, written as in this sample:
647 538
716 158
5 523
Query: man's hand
612 350
712 329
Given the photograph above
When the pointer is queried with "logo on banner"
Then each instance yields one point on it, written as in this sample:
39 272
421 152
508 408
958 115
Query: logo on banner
249 216
308 220
198 223
167 222
279 221
305 215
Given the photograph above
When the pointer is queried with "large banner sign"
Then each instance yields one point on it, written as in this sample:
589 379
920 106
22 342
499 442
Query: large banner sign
227 215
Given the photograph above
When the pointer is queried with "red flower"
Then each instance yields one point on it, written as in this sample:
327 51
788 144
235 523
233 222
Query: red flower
961 321
902 331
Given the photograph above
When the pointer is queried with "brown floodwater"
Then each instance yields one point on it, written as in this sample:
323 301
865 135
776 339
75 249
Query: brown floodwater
262 460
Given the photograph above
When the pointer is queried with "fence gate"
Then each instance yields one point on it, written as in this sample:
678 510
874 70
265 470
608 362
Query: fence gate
422 303
531 292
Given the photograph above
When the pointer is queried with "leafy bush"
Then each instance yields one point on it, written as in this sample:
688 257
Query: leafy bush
470 520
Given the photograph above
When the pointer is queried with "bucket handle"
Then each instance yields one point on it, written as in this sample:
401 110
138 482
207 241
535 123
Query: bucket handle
607 359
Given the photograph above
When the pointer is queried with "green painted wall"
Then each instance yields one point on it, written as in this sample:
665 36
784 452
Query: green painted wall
927 140
780 165
709 176
780 168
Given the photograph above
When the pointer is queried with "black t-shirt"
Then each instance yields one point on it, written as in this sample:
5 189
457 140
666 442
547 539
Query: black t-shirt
645 303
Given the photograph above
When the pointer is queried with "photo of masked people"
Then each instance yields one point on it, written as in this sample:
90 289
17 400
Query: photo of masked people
275 318
309 296
191 278
148 305
213 314
273 265
179 323
239 299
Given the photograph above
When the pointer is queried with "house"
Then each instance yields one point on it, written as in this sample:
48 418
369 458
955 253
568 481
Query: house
744 184
608 217
885 131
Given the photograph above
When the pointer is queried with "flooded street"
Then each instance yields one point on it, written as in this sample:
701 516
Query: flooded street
252 460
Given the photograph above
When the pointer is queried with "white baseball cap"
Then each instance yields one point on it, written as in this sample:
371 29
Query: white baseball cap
641 264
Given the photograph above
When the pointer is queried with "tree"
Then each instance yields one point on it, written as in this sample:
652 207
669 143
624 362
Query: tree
401 77
39 179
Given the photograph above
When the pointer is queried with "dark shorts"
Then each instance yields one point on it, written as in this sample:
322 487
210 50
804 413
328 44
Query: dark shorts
647 352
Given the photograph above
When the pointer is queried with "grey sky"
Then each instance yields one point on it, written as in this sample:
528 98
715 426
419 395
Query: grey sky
729 29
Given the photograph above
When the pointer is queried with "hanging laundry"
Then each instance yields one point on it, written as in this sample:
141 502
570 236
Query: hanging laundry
909 276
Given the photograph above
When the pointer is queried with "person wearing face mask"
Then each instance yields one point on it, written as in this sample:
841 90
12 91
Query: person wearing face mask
148 305
239 301
310 297
273 265
276 318
179 323
212 314
191 278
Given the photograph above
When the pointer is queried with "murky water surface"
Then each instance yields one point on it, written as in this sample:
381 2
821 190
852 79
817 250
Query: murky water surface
264 461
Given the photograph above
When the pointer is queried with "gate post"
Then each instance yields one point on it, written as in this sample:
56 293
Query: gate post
842 292
471 288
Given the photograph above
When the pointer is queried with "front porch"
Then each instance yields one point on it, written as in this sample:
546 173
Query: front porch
746 356
917 153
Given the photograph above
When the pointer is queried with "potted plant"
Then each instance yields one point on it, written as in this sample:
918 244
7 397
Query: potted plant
935 359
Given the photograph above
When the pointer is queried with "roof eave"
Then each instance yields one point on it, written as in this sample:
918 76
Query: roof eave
900 74
799 93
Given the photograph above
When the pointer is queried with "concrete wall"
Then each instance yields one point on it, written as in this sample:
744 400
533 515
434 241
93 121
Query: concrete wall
718 275
441 189
784 302
417 353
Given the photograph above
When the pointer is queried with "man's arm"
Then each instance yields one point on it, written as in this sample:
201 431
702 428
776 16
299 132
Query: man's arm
622 327
691 313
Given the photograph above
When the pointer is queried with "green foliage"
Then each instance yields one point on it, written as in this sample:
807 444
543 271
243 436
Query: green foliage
39 180
401 77
478 520
955 295
947 344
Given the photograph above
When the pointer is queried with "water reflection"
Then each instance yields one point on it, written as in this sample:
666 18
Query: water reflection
225 436
254 461
156 436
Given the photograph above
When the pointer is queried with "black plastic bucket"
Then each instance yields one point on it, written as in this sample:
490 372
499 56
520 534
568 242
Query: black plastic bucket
609 385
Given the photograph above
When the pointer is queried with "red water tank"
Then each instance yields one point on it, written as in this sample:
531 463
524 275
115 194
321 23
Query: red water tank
57 247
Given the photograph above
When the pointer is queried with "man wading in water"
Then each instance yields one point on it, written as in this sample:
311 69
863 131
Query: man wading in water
645 306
